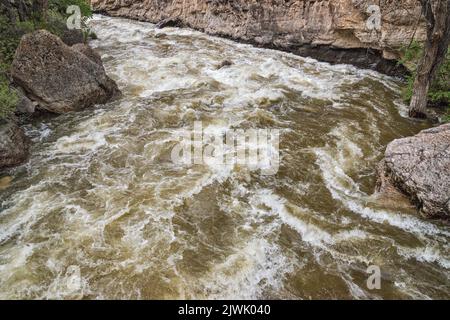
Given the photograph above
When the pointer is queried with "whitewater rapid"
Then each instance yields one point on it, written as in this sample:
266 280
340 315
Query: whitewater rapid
101 211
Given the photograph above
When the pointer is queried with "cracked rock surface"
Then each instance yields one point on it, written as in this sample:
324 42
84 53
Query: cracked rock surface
419 166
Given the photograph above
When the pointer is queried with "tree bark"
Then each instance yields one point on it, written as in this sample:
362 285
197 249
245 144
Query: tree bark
40 8
437 14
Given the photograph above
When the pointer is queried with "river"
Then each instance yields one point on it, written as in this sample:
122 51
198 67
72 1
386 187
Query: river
101 212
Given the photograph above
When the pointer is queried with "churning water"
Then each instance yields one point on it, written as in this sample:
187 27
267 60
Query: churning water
101 211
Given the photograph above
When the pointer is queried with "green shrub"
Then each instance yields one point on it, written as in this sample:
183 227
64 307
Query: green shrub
446 118
62 5
11 33
8 99
412 55
439 94
59 8
55 22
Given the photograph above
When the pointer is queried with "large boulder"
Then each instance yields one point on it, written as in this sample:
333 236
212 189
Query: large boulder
14 144
72 37
419 166
59 78
24 105
88 52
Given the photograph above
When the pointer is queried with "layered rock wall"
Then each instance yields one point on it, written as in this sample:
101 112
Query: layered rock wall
330 30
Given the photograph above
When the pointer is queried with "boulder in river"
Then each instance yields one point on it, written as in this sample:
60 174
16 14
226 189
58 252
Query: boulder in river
14 144
24 105
419 166
170 23
60 78
72 37
224 63
88 52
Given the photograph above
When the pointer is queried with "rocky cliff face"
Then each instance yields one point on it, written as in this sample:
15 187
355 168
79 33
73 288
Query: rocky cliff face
325 29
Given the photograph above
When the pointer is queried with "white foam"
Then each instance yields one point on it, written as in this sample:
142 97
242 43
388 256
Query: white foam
344 189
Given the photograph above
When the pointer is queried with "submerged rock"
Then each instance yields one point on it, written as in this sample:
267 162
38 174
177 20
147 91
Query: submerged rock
5 182
170 23
60 78
225 63
419 166
14 144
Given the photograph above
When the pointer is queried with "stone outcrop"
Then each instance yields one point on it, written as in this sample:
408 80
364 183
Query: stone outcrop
330 30
89 52
13 144
24 105
72 37
60 78
419 166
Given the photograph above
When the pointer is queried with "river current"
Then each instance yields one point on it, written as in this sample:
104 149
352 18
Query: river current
101 212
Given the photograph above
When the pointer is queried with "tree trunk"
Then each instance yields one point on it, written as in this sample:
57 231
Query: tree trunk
40 8
437 14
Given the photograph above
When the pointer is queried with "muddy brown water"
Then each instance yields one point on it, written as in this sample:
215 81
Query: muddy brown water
100 211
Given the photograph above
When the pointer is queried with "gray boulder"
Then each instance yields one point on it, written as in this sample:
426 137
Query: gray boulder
14 144
170 23
24 105
419 166
88 52
72 37
59 78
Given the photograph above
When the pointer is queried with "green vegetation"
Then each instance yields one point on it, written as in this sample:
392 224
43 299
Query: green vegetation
439 94
58 8
61 6
9 40
11 33
8 99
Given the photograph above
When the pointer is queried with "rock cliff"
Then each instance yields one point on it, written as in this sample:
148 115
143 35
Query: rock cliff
331 30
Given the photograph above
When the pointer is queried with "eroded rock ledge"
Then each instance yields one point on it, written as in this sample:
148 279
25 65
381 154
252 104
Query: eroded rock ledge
419 166
330 30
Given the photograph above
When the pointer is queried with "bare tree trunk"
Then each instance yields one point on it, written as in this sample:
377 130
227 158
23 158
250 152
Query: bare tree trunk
437 14
40 8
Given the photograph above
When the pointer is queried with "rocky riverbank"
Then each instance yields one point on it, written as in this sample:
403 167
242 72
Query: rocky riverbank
334 31
54 77
419 167
14 144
